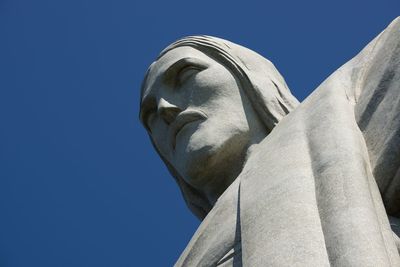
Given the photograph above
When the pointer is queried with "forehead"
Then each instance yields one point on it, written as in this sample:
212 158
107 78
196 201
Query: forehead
158 68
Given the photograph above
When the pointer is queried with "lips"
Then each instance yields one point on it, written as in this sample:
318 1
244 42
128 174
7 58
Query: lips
181 120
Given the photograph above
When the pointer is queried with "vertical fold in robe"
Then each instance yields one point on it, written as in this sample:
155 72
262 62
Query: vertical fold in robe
308 194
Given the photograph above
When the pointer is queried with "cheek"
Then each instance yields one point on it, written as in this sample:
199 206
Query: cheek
208 87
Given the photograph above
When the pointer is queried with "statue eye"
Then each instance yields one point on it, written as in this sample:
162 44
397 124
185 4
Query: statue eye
186 73
148 118
148 111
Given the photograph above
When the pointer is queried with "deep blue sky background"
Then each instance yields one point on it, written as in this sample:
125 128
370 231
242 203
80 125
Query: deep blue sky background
80 184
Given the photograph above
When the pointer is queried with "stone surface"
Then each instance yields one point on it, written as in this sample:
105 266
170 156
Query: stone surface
275 182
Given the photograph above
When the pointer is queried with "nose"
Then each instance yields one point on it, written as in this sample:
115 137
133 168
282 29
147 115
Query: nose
167 111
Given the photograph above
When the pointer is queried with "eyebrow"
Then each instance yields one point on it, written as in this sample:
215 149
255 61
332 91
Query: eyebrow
175 67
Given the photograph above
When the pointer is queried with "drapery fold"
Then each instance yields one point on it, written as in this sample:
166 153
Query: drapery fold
309 196
311 192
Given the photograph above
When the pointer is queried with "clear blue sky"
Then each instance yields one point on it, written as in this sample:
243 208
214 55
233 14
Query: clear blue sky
80 184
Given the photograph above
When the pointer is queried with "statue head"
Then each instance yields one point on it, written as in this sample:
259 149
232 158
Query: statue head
204 102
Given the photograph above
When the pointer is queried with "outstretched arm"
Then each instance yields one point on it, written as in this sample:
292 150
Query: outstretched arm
377 112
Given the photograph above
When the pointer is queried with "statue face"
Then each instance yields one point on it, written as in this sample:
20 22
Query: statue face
197 116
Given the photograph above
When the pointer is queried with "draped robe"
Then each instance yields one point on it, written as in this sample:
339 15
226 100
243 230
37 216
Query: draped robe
317 190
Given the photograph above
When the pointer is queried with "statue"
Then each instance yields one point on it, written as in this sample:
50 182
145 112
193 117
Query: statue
275 182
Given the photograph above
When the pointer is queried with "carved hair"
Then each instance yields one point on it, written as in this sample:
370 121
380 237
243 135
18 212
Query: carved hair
259 79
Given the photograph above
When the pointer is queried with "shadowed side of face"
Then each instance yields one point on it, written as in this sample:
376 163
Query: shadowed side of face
197 116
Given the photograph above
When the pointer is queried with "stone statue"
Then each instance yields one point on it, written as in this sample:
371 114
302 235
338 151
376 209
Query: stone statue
275 182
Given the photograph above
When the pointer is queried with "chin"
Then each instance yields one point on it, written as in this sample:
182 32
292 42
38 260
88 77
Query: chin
202 154
195 165
196 146
209 162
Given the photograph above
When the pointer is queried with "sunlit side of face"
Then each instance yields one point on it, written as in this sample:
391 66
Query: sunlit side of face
197 116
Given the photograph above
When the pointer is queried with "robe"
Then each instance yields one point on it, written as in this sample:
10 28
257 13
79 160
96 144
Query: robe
318 189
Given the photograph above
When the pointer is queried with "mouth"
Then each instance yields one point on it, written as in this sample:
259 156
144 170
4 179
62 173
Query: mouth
181 121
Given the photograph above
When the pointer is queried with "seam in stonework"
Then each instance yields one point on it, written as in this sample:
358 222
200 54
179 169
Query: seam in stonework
360 80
